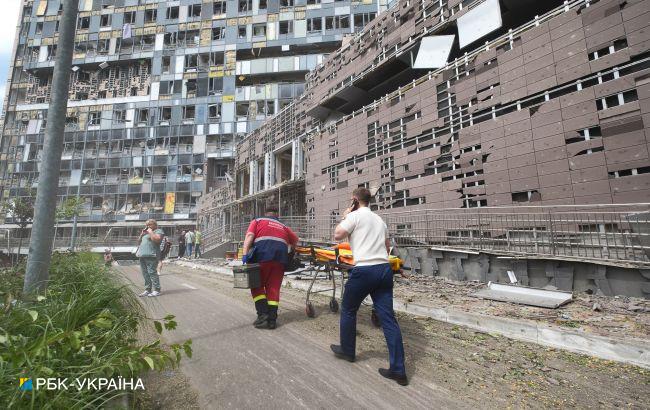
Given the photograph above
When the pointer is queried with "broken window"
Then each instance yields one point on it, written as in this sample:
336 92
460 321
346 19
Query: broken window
259 30
616 99
314 24
83 23
188 112
286 27
215 85
103 47
171 39
166 64
129 17
190 86
329 23
142 116
214 111
241 110
526 196
361 19
614 47
262 5
189 38
166 87
194 10
216 58
150 16
218 33
94 118
71 123
191 61
119 116
286 3
219 7
172 13
39 28
241 32
313 1
245 5
105 20
165 113
343 21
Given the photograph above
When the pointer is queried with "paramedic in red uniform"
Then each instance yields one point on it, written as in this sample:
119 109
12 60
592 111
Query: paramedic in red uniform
267 242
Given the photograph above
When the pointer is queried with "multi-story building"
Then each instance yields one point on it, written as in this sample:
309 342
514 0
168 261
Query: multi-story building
456 105
161 92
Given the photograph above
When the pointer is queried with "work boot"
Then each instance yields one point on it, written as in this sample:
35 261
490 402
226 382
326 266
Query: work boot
262 321
262 309
273 316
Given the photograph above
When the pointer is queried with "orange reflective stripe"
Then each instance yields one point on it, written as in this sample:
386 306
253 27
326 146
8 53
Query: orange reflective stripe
259 297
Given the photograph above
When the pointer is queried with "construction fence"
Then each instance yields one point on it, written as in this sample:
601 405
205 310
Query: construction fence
617 234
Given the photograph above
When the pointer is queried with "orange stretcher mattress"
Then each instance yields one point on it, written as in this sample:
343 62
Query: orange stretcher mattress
345 256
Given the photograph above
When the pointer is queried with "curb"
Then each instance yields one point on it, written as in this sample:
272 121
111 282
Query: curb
636 352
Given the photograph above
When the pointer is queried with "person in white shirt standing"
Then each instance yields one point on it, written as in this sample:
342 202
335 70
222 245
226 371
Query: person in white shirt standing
372 275
189 243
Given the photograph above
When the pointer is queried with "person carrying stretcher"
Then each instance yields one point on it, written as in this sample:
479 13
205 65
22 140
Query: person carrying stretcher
267 242
372 275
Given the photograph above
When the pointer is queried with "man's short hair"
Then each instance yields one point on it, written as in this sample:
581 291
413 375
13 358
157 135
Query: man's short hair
271 209
362 194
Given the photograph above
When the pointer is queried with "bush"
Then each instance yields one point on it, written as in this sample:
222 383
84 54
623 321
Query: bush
84 326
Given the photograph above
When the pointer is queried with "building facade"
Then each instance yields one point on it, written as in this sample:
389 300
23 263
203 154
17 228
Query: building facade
494 136
531 103
161 92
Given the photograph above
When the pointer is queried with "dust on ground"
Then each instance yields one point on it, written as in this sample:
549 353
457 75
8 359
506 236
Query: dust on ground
618 316
483 370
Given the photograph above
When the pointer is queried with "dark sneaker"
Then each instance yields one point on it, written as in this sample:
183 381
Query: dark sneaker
272 324
402 380
338 352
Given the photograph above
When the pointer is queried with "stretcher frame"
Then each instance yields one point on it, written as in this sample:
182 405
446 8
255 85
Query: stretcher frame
330 268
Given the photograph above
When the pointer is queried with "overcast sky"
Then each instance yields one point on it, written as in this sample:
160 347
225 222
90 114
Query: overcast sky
8 23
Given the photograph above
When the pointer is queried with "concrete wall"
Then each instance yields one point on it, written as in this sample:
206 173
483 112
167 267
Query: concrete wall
563 275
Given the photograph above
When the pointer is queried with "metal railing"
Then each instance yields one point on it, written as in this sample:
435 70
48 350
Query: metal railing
613 234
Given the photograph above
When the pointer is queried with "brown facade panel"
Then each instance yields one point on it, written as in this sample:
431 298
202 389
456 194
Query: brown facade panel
577 132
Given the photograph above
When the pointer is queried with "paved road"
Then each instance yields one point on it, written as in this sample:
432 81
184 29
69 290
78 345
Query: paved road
237 366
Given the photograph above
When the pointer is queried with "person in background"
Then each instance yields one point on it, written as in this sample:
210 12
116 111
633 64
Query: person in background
108 257
267 243
149 253
372 275
189 243
181 244
198 238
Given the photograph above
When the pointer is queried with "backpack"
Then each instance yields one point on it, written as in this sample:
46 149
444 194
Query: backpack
165 246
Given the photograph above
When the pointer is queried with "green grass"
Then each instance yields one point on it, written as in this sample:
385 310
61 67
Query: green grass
84 326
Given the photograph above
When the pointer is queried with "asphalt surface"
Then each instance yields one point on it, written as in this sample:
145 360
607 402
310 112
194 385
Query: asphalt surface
237 366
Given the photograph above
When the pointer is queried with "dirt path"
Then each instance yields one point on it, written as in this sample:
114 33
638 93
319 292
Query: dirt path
237 366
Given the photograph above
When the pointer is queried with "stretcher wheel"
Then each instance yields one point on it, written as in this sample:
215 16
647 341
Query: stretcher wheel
375 319
334 305
309 310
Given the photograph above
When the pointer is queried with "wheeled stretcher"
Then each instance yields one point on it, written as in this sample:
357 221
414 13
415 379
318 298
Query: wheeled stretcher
330 264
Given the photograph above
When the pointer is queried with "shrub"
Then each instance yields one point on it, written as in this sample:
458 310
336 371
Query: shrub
84 326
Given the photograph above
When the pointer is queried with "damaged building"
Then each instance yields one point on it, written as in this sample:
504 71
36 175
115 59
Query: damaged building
161 92
452 104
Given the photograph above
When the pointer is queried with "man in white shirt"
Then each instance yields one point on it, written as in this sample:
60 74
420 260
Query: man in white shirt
189 243
372 275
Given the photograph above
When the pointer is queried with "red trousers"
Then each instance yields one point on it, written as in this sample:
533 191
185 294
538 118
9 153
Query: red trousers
272 274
